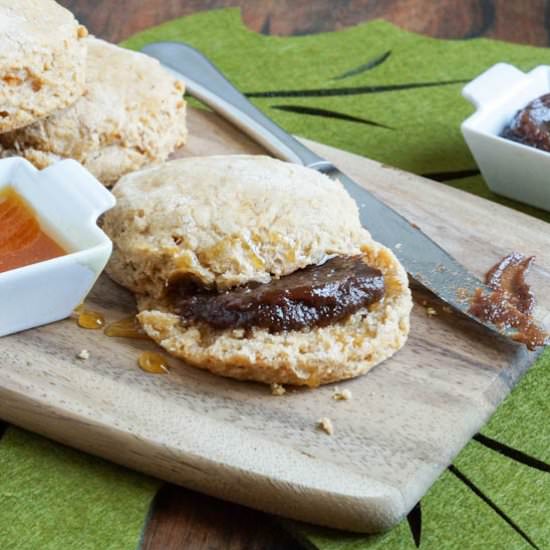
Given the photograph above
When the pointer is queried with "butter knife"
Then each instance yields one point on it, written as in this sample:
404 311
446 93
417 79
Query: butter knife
428 263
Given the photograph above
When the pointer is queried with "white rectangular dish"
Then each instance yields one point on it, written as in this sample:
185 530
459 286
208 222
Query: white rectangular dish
67 200
511 169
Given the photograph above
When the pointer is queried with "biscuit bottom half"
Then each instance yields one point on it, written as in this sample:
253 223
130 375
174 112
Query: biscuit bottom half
311 356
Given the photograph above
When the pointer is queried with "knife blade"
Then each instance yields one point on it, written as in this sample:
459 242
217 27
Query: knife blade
427 262
423 258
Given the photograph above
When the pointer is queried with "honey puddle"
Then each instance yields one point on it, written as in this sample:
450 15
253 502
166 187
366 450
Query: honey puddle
152 362
89 319
128 327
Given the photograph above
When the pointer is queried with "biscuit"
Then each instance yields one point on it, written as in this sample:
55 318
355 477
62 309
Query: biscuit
42 61
233 220
132 114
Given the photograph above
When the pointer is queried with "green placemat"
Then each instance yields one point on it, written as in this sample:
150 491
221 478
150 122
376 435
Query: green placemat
54 498
393 96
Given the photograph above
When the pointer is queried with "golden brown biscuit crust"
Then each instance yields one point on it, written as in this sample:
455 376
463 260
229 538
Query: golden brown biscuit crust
132 114
226 221
42 61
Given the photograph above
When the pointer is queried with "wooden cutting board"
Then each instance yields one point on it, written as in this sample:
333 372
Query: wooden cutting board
407 420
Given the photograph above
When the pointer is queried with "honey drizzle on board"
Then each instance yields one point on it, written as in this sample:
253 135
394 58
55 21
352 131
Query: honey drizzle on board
128 327
153 362
22 239
89 319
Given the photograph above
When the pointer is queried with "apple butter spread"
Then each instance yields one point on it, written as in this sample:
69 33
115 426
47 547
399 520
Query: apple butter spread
22 240
531 125
315 296
511 304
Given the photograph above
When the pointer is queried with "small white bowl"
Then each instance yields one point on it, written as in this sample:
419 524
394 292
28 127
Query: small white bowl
68 200
509 168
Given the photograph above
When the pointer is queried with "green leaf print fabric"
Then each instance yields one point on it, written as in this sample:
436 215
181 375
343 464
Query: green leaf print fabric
393 96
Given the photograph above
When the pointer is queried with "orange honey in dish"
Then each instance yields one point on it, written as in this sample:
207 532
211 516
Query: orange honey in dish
22 240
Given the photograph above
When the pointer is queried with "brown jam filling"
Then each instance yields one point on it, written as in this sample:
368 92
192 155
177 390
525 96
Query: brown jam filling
511 303
316 296
531 125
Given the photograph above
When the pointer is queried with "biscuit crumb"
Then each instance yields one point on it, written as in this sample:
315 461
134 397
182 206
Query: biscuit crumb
325 424
344 395
462 294
277 389
83 354
398 246
447 309
431 312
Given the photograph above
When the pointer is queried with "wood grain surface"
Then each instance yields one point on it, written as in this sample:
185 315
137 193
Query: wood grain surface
184 519
407 420
177 519
525 21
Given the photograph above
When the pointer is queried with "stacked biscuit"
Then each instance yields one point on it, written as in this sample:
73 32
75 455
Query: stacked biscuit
64 94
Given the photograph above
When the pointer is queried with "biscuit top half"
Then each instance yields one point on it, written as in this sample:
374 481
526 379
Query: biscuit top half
226 221
131 113
28 24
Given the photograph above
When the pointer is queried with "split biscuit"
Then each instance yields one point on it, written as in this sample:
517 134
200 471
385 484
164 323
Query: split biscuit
225 222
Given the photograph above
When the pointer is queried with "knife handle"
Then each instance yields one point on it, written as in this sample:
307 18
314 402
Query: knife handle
207 84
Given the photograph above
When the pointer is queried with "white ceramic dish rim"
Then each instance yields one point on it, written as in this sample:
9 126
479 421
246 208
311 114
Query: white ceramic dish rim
67 200
487 103
74 253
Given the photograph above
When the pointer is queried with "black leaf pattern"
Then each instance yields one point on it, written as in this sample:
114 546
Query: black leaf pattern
510 452
478 492
378 60
314 111
414 518
453 175
353 90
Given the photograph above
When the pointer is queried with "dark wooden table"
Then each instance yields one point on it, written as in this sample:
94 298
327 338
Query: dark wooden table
184 519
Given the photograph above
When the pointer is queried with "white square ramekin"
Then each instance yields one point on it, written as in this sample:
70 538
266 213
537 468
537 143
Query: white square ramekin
509 168
68 200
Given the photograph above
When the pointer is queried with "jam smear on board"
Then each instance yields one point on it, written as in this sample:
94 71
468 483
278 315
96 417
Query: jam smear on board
511 304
